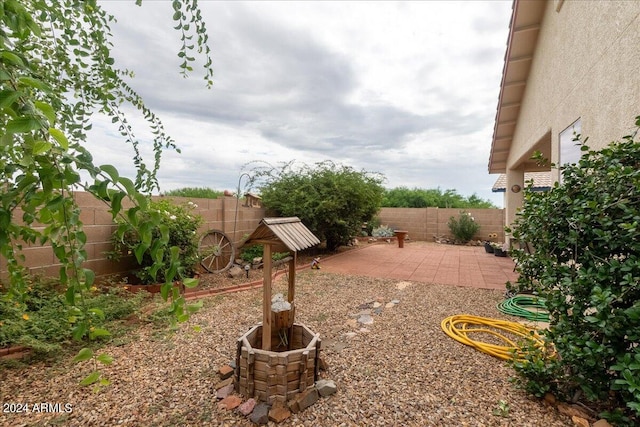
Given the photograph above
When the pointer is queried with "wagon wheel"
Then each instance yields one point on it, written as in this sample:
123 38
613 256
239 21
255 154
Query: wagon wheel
216 251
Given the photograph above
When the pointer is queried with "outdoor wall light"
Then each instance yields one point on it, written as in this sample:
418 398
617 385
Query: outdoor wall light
516 188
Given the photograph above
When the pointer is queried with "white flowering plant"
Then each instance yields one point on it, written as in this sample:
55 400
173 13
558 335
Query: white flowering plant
178 227
464 227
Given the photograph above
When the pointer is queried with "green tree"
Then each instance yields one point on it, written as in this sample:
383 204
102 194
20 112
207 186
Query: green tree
586 265
332 200
403 197
56 71
196 192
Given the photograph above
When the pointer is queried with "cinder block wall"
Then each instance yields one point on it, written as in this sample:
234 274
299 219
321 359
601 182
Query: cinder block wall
218 214
427 223
221 214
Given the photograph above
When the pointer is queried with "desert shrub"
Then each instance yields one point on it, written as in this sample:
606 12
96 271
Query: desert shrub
586 265
177 228
464 227
383 231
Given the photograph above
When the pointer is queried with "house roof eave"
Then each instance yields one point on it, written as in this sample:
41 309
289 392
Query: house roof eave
526 19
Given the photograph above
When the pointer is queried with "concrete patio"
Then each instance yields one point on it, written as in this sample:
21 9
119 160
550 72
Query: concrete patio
426 262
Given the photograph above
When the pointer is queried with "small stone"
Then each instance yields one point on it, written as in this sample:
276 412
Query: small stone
395 301
602 423
350 335
302 401
389 305
326 387
229 402
235 272
223 383
377 310
279 414
377 304
232 364
257 260
365 319
550 399
247 407
225 372
402 285
352 323
380 299
224 391
260 414
580 422
364 331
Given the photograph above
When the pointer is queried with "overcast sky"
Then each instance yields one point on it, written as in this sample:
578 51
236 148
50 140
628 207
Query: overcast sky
407 89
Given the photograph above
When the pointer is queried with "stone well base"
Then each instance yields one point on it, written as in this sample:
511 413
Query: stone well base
271 376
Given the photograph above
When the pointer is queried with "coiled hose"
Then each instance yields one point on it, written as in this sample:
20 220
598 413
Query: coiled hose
460 327
527 306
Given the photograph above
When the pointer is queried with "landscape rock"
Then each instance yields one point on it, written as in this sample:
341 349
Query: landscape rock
225 372
224 391
230 402
580 422
223 383
247 407
302 401
260 414
365 319
235 272
326 387
602 423
278 414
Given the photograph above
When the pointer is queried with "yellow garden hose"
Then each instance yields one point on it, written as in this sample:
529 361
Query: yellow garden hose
460 327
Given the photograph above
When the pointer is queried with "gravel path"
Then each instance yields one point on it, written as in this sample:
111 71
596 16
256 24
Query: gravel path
401 370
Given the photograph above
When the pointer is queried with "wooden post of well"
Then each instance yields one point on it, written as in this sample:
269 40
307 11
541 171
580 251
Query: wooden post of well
266 298
291 292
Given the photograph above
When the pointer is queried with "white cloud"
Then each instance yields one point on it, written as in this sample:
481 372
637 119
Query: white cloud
408 89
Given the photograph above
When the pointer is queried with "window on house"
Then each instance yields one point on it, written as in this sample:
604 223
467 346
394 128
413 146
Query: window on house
570 148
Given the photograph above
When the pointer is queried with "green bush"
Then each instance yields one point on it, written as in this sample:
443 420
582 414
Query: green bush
586 264
195 192
43 322
255 251
333 201
464 227
181 227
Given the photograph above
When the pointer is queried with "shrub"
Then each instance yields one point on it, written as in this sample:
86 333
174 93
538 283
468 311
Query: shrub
586 264
333 201
464 227
255 251
44 322
195 192
181 227
383 231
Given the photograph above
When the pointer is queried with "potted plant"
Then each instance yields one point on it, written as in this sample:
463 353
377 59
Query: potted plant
488 244
499 250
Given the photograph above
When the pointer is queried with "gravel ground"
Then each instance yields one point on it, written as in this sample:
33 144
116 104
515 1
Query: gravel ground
401 370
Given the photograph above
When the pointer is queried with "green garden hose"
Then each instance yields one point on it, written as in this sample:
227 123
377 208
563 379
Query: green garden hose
527 306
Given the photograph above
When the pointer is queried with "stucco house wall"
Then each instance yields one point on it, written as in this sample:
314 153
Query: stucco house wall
585 65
